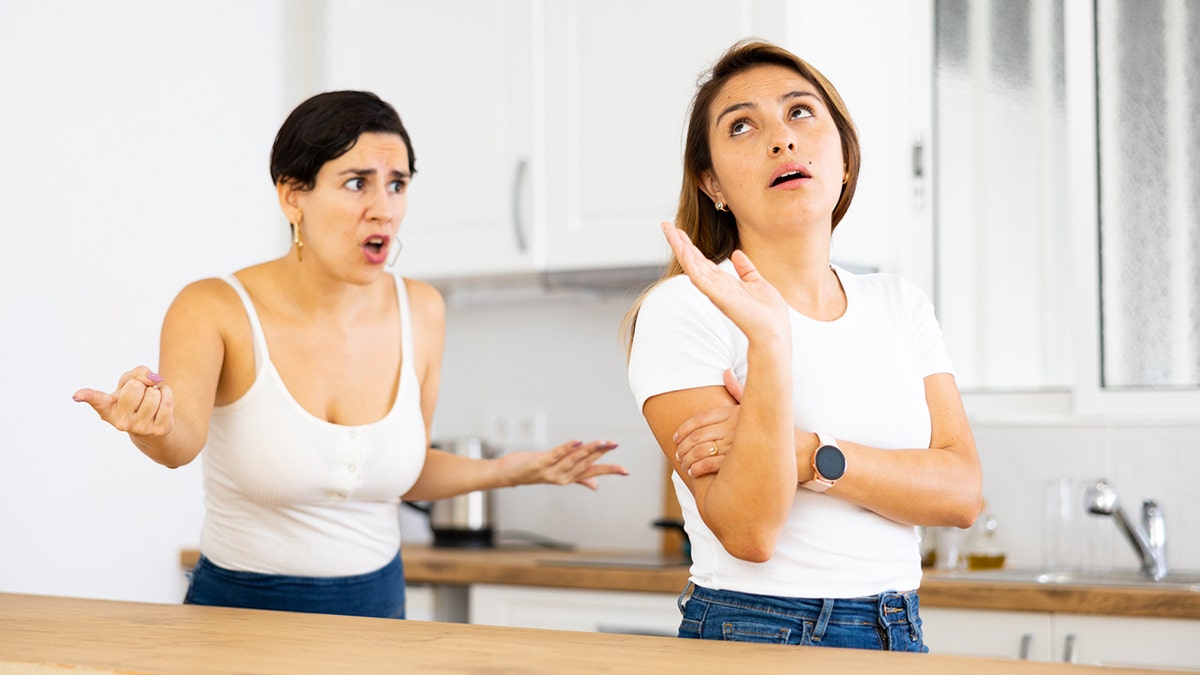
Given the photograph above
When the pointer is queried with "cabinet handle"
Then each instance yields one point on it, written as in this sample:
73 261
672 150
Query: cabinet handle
1026 646
1070 649
517 217
918 175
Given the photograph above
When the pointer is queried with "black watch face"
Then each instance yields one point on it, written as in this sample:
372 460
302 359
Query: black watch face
830 461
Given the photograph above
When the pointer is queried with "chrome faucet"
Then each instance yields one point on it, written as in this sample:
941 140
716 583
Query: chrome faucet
1149 538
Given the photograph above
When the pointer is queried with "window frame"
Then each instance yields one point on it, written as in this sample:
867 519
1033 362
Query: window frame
1086 398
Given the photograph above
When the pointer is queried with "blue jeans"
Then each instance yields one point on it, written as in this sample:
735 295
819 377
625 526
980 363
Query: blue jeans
377 594
888 621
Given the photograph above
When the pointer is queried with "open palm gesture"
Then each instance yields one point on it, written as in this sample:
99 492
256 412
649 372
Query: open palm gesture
749 300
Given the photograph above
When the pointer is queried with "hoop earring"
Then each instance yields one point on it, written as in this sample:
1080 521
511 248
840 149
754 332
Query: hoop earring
296 240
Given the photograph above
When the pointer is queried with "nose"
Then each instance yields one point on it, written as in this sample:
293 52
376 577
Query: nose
781 139
380 206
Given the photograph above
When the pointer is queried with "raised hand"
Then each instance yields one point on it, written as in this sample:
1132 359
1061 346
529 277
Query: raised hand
571 462
142 404
748 299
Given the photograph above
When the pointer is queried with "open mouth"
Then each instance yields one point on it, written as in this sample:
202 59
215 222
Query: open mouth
375 244
787 177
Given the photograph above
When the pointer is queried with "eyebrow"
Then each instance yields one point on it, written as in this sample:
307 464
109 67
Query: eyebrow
402 175
751 106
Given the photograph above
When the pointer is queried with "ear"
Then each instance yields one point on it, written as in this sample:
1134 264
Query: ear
289 200
710 186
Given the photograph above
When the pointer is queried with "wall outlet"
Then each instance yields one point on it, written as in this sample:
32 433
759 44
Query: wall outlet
517 428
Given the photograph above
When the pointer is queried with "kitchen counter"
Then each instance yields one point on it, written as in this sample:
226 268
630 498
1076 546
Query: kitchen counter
42 634
607 570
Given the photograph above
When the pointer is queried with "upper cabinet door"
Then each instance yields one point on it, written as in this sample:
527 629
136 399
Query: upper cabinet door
619 77
461 75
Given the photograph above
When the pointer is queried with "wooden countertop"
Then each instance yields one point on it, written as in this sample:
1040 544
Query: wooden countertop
41 634
567 569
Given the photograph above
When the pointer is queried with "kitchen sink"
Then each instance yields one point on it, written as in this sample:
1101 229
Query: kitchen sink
1182 580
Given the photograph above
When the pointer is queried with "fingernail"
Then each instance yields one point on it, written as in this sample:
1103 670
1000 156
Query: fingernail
154 377
675 437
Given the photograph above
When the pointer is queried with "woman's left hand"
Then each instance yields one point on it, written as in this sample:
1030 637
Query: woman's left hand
571 462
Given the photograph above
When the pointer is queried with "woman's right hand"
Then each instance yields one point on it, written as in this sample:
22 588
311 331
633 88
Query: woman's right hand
142 404
704 441
749 300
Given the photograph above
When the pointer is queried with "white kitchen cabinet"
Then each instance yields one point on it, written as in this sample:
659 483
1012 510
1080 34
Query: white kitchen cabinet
1006 635
1139 642
462 75
570 609
1130 641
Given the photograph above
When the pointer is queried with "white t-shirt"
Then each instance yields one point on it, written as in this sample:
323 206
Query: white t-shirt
289 493
858 378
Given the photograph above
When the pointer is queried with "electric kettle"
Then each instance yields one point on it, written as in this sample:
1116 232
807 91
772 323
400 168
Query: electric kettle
464 521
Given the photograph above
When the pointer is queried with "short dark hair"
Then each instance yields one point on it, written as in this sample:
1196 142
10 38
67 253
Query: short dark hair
325 127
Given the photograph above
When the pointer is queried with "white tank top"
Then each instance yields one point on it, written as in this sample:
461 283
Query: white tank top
289 493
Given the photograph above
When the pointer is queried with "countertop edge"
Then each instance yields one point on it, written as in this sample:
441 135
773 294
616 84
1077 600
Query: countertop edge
537 567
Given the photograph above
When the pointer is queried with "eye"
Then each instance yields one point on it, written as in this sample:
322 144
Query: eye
356 183
398 186
739 127
800 112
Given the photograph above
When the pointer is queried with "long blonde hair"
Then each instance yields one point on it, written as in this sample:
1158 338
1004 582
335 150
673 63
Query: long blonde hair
715 232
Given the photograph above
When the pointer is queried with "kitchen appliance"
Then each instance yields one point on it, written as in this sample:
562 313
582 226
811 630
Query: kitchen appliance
464 521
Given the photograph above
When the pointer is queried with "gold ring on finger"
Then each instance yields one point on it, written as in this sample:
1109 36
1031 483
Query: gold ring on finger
713 450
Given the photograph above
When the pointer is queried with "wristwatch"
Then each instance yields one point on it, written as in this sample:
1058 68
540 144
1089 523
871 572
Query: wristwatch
828 464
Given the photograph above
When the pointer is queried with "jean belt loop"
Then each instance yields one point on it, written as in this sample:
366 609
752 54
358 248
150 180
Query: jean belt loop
683 596
911 601
885 599
823 619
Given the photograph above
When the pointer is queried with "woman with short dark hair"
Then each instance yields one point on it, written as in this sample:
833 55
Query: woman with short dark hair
310 381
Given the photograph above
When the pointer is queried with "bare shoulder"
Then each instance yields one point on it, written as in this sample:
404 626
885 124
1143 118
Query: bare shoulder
212 293
209 301
426 301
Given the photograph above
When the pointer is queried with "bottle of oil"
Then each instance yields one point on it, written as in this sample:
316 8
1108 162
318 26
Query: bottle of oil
984 551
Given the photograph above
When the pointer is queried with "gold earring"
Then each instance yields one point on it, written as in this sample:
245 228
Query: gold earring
296 240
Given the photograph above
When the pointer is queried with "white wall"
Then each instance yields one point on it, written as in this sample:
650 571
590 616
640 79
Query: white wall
134 141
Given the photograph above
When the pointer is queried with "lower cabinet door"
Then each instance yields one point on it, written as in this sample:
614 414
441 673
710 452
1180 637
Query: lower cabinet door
971 632
1127 641
568 609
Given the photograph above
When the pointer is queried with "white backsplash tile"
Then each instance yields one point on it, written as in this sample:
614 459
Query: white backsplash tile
1139 461
562 354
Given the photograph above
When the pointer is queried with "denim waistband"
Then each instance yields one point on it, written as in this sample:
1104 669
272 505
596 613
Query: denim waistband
885 608
378 593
